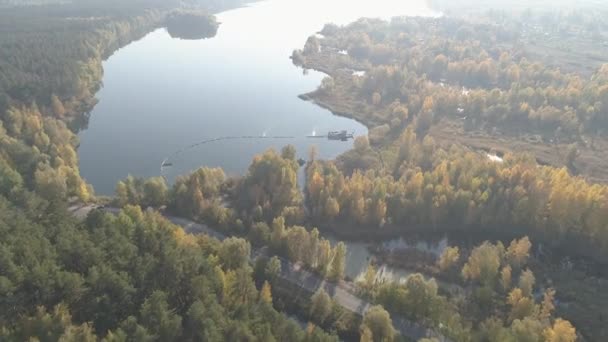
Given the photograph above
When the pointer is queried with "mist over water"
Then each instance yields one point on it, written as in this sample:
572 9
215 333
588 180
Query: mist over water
162 94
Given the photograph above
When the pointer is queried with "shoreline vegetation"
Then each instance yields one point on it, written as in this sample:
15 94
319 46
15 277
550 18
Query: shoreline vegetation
389 95
352 68
456 91
51 60
191 25
43 109
136 276
266 209
133 276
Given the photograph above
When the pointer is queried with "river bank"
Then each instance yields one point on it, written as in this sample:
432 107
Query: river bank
120 33
550 261
342 97
182 91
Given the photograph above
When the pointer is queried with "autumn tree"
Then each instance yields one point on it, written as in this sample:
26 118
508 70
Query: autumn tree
506 278
424 120
278 234
196 194
50 326
338 262
297 244
234 252
50 183
448 258
421 296
376 99
57 106
312 46
320 306
155 192
366 335
266 293
361 144
159 319
518 252
561 331
273 268
528 329
379 323
483 263
526 282
239 289
368 283
324 257
547 305
270 185
9 178
522 306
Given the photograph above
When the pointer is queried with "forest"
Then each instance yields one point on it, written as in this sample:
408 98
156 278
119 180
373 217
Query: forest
489 273
191 25
50 70
432 91
426 187
130 277
457 73
477 82
470 132
487 292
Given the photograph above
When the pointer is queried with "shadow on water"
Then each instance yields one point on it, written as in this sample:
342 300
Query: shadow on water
360 255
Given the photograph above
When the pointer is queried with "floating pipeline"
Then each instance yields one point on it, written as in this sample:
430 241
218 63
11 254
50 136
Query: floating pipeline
341 135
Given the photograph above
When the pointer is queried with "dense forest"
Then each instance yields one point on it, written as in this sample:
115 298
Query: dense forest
191 25
50 70
416 83
268 208
430 188
417 77
499 300
129 277
469 71
442 97
478 82
486 293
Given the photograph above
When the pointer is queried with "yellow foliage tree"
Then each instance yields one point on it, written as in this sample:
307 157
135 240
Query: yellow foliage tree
449 257
561 331
266 293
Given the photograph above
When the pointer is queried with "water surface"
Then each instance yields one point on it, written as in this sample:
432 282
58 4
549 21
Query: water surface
161 94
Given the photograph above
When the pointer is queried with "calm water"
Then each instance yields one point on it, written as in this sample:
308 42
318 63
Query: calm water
358 255
162 94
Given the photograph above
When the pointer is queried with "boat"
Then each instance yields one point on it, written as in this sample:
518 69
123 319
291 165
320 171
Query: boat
340 135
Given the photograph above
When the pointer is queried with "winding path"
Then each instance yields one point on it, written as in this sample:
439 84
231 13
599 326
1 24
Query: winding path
341 292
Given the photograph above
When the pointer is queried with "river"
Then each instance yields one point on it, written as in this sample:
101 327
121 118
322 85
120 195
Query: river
162 94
